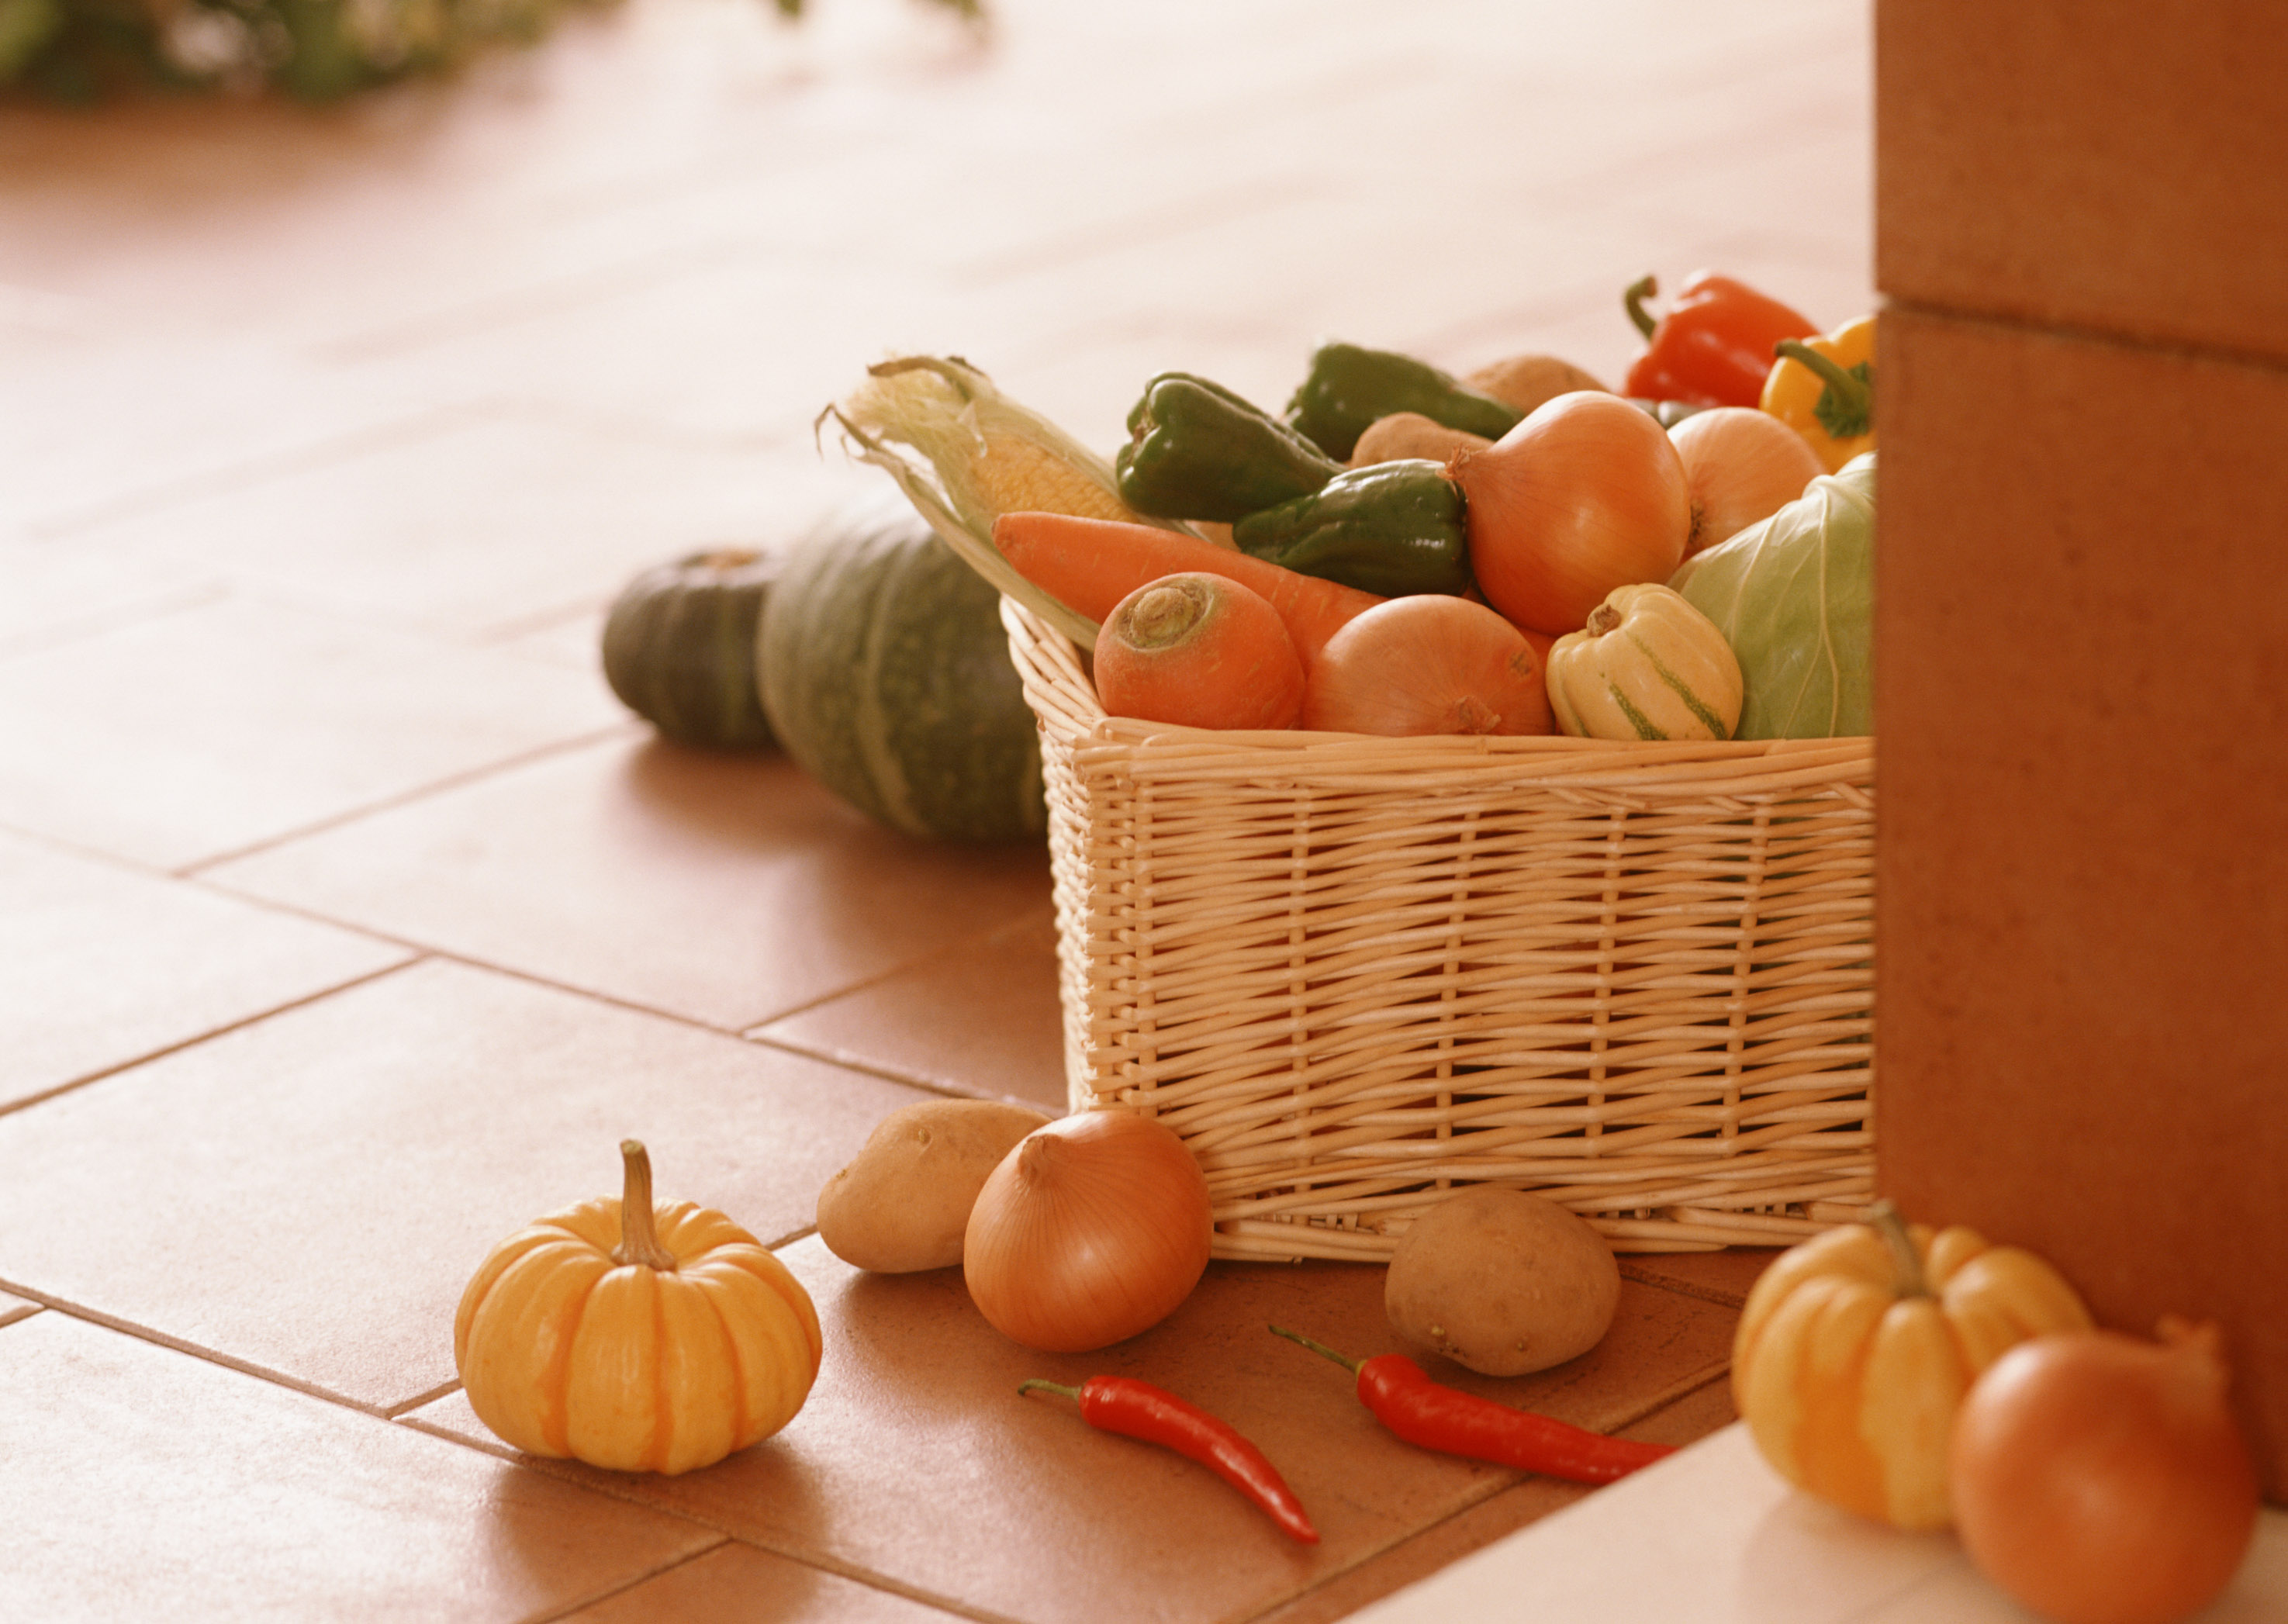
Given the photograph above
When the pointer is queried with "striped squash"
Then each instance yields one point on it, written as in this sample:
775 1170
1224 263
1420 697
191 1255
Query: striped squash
1649 665
885 673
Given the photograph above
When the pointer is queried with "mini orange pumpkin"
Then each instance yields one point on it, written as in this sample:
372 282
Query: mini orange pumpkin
661 1346
1854 1349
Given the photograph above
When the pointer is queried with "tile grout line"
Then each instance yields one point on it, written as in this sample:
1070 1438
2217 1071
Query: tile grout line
9 1107
1674 1393
571 1608
576 1474
196 868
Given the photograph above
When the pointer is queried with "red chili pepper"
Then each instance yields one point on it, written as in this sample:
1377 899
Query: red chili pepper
1406 1400
1138 1409
1714 345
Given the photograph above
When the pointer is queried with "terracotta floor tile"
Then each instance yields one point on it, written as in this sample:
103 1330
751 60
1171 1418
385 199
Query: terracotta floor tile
738 1584
100 965
58 591
195 734
113 420
916 1459
1720 1277
1686 1421
727 889
146 1484
309 1194
981 1018
479 524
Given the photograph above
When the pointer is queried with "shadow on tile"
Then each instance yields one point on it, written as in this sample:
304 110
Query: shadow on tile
916 1459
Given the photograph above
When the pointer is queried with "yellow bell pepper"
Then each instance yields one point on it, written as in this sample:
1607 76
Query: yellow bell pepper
1824 389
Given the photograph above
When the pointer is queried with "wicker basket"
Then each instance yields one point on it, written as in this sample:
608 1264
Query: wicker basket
1354 973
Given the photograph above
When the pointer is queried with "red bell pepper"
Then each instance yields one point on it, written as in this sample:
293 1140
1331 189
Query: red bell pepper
1713 346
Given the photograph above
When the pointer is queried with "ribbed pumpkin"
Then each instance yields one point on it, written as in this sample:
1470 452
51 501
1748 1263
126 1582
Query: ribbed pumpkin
885 673
1649 665
680 647
659 1346
1854 1349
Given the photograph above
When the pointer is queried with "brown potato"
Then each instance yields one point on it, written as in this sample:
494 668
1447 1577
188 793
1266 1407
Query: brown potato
1523 382
1502 1282
1404 435
904 1200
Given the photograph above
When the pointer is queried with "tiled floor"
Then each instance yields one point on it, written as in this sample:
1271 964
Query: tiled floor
346 922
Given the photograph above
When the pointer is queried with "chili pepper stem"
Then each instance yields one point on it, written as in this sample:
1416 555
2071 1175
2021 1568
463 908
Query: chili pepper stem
1345 1360
1637 293
1884 1218
1036 1384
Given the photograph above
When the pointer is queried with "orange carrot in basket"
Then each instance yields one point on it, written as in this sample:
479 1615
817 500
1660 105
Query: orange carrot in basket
1089 565
1199 650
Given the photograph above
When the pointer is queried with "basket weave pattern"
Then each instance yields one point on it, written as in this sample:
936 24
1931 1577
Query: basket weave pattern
1353 973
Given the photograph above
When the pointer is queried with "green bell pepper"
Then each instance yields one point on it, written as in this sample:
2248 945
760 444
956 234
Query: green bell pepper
1349 387
1391 528
1196 450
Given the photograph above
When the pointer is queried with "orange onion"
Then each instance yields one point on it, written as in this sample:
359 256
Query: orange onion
1584 494
2101 1479
1743 465
1427 663
1092 1229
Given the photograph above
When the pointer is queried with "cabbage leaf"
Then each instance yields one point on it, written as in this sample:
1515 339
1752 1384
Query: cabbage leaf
1795 597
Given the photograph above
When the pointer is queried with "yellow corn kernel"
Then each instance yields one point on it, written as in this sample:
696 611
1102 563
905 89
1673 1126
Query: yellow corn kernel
1014 475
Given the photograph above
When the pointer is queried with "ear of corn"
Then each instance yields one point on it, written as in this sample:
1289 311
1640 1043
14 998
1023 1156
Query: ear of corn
977 455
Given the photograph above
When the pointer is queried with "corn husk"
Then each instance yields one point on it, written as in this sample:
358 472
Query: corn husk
969 455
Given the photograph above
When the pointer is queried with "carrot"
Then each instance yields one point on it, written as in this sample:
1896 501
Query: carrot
1089 565
1199 650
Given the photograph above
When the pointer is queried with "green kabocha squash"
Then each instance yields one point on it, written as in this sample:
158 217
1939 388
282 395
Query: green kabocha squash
886 673
680 647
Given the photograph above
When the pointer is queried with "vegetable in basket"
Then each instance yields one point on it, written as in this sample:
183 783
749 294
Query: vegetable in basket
1196 450
1199 650
1092 564
1713 346
1389 528
1794 597
1824 389
982 454
1586 495
1649 665
1348 386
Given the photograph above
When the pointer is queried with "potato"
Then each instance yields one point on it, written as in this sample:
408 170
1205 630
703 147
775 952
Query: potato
904 1200
1502 1282
1524 382
1410 434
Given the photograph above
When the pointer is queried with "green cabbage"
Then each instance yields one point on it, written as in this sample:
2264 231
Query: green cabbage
1795 597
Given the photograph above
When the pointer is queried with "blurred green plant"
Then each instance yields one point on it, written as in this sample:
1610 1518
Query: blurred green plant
79 50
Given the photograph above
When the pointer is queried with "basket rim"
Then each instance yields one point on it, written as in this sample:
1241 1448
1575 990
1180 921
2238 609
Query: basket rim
1065 702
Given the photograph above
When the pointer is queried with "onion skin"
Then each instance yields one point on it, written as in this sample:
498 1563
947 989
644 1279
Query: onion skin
1092 1229
1741 466
1428 663
2102 1480
1584 494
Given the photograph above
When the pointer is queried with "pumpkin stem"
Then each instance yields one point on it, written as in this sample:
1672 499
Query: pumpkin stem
639 1236
1883 1217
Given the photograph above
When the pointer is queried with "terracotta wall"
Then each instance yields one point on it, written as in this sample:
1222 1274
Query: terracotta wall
2082 658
